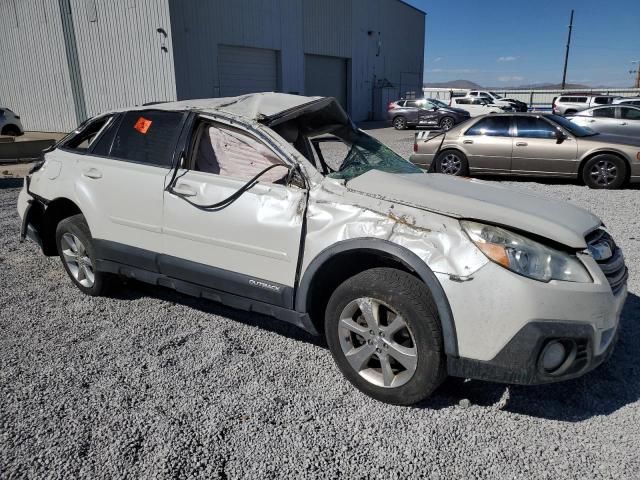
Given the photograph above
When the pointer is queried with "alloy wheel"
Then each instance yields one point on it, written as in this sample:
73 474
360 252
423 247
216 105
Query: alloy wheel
604 173
399 123
75 256
377 342
450 164
447 124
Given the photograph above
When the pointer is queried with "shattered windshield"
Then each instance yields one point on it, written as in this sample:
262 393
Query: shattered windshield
366 153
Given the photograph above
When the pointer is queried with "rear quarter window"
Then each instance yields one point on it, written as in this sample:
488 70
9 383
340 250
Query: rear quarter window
573 99
148 136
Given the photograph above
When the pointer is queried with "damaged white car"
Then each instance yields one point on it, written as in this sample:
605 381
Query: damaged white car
278 204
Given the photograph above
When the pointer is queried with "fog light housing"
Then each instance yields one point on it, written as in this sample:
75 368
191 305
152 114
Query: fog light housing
553 356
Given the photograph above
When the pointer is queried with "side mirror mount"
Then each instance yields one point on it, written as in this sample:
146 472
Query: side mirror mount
560 136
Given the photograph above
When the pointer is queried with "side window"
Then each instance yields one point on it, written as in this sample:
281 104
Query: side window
473 94
478 101
463 101
532 127
411 104
605 112
492 127
602 100
400 103
630 113
148 136
89 132
230 152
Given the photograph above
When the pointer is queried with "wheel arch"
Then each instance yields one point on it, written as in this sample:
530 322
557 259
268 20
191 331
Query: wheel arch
55 211
346 258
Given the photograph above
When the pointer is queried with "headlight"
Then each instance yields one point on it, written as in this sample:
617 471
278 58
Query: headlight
524 256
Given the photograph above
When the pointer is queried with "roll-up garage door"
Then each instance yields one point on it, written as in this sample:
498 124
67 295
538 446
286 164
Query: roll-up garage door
246 70
326 76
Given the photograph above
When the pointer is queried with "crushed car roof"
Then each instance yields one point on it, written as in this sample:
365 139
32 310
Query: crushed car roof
255 106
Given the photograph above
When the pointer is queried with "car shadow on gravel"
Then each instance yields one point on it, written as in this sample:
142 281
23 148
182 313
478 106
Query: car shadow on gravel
6 183
608 388
546 181
139 290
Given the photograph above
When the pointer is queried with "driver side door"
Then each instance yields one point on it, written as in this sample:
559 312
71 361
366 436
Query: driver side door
248 247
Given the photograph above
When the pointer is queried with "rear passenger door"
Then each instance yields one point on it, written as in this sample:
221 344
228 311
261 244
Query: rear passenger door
603 120
249 246
629 121
537 150
488 144
120 180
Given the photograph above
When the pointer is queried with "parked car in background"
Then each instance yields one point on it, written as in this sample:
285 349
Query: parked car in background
476 106
616 119
634 101
10 123
531 144
498 100
225 199
424 113
575 102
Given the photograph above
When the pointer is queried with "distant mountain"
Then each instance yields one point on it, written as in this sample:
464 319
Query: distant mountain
454 84
467 84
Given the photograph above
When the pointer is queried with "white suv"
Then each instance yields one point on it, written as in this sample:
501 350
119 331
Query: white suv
410 276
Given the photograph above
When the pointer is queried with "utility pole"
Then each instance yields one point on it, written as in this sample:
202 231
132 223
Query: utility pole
566 55
637 72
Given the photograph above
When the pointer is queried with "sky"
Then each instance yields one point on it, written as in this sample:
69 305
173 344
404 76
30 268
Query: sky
521 42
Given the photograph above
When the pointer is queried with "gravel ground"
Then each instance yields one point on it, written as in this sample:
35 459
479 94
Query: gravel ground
150 383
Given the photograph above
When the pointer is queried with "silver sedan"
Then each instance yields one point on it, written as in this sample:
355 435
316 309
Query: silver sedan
614 119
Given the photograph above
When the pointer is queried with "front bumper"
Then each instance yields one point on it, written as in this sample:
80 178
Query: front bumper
519 362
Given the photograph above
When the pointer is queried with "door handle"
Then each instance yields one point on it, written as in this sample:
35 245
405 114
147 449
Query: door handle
184 190
623 123
521 144
467 141
92 173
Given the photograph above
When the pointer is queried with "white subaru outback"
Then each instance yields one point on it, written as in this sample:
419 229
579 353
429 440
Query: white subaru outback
278 204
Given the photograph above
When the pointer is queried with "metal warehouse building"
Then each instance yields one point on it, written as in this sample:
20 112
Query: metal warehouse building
65 60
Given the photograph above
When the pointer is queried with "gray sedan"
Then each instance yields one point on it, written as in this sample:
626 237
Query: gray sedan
613 119
530 144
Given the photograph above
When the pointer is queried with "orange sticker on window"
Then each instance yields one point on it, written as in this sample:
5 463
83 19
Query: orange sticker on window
143 125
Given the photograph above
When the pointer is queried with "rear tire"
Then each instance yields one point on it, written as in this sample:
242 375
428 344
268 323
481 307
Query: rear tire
400 123
604 171
452 162
77 253
11 130
383 331
447 123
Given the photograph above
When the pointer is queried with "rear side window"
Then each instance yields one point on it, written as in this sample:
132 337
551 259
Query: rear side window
400 103
492 127
532 127
573 99
630 113
605 112
148 136
411 103
462 101
88 133
602 100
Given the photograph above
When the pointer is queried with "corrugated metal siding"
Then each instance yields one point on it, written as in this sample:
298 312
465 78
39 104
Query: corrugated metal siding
120 53
247 69
35 80
327 27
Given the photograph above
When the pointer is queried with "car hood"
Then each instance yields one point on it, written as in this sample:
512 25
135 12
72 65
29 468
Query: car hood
478 200
459 111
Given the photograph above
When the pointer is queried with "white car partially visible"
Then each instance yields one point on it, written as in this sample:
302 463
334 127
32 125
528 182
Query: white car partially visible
10 123
475 106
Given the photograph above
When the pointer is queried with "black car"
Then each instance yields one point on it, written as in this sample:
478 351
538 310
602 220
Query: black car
517 104
425 112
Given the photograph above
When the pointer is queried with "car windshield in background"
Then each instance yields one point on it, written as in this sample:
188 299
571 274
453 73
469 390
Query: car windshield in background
366 153
576 130
495 95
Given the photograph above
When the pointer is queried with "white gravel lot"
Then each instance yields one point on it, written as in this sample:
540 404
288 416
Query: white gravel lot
150 383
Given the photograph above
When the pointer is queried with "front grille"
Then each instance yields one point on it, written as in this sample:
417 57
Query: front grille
609 256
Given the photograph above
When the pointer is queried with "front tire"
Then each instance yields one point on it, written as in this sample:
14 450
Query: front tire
400 123
11 131
604 171
77 253
452 162
383 331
